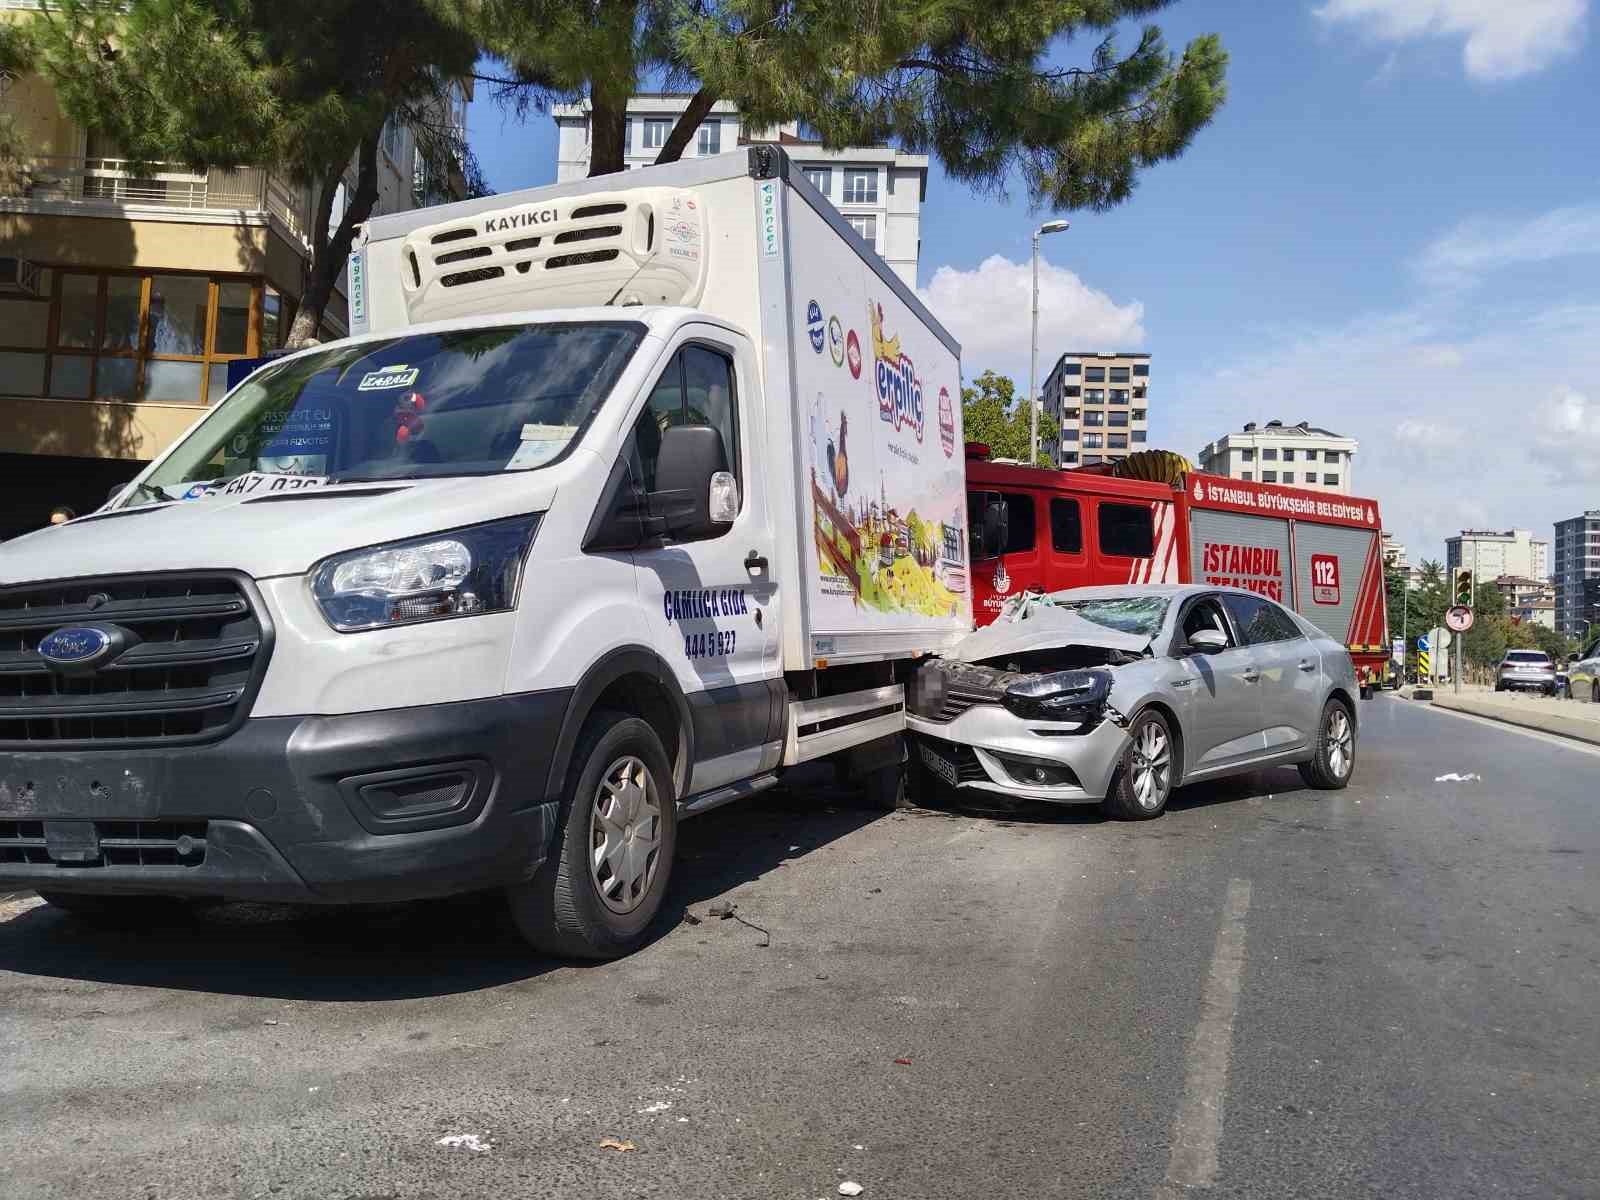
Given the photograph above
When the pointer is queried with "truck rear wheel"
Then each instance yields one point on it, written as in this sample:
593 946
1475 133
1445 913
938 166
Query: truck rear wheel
602 884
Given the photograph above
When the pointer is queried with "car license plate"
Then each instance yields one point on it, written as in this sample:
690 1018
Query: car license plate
940 766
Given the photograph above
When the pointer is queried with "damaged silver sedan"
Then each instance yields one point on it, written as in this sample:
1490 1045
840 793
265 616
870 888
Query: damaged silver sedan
1120 694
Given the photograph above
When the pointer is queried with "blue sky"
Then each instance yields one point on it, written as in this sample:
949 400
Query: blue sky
1392 229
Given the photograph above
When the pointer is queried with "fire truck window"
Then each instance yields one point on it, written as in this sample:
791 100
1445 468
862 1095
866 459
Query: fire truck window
1127 530
1019 522
1066 527
1260 620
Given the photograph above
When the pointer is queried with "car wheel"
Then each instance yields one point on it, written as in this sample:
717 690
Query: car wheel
1594 692
1143 782
1566 690
598 891
1335 760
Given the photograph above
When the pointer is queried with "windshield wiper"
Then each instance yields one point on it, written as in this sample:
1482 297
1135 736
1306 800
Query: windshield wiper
152 491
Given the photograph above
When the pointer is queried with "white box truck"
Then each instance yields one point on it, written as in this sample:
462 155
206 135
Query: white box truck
624 496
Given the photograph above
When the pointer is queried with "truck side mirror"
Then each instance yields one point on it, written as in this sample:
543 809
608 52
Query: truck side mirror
695 495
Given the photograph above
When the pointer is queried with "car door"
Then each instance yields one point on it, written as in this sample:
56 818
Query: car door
1223 712
1290 688
1583 673
712 604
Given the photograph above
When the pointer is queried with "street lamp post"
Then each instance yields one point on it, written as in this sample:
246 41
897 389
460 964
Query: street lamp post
1033 362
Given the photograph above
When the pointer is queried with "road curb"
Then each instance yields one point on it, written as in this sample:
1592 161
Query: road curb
1569 727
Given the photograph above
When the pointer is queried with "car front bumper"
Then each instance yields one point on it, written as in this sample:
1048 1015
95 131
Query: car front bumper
389 805
990 747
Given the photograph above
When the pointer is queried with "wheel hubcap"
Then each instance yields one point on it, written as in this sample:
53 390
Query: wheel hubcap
1340 743
624 835
1152 766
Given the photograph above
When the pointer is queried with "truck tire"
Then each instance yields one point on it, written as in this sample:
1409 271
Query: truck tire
1143 783
889 788
602 884
1335 759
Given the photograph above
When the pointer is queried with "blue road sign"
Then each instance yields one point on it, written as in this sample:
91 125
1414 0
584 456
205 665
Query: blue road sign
1422 642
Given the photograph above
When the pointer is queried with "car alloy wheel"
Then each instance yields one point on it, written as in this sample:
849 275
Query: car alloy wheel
1151 766
624 835
1341 742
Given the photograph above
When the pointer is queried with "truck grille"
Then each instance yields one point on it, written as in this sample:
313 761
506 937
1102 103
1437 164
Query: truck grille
122 844
200 648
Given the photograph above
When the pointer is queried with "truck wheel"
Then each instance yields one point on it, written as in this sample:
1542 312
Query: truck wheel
889 788
1335 759
602 885
1143 782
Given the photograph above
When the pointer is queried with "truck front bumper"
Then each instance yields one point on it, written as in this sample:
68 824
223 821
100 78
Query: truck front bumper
390 805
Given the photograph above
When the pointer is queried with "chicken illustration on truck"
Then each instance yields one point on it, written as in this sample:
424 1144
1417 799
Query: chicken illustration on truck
554 550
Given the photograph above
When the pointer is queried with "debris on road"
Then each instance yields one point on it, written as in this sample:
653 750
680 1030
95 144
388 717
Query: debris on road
1455 777
902 1062
464 1141
850 1188
659 1106
725 910
619 1147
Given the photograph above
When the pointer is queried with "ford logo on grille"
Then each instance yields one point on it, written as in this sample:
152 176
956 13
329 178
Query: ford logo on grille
75 646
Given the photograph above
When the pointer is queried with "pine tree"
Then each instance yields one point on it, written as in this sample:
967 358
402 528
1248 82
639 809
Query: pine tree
969 81
299 86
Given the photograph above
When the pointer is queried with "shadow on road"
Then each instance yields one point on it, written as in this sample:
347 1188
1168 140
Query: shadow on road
401 951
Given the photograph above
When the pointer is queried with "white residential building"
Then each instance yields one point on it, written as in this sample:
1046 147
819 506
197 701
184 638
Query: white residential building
1394 555
1493 553
1299 455
878 189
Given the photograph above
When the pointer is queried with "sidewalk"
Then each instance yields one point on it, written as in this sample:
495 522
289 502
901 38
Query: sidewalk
1564 718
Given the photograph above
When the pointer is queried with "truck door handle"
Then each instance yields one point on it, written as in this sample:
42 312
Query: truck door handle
1307 665
754 563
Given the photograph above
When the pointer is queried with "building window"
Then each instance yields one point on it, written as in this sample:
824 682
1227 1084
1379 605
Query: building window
1090 460
1139 392
1247 476
1119 395
1119 420
1094 395
392 139
820 178
1070 391
131 336
1141 370
1248 455
1288 454
1331 480
1070 435
860 187
710 138
866 225
1288 476
1269 477
1138 414
1119 374
1330 456
1095 374
1093 441
1069 414
1270 455
1094 419
1139 435
1071 368
1117 441
655 132
1070 456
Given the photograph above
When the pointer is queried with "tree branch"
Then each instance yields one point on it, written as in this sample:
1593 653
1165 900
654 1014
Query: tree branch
700 106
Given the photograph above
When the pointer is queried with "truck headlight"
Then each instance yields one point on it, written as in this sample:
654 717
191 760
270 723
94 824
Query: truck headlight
1060 695
459 573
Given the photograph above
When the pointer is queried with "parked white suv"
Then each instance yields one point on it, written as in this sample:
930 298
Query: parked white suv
1526 671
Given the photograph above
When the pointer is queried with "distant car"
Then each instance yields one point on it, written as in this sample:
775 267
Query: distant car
1118 695
1526 671
1583 674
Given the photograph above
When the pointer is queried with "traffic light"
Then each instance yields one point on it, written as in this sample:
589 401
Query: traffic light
1461 586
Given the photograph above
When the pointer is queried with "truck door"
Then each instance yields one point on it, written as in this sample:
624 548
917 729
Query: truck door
713 604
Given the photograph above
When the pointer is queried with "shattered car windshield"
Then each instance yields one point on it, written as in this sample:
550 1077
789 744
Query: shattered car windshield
1138 615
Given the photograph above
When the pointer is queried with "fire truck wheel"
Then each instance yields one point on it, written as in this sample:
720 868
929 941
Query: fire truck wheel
1143 782
598 892
1335 760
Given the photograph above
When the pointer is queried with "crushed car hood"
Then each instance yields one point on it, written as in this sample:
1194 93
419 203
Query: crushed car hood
1045 627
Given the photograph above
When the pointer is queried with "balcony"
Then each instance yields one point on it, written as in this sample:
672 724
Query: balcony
88 186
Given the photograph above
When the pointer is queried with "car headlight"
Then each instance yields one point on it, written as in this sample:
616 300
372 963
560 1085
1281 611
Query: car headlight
459 573
1060 695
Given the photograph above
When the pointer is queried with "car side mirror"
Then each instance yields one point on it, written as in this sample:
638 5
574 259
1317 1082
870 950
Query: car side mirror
1208 641
695 495
994 531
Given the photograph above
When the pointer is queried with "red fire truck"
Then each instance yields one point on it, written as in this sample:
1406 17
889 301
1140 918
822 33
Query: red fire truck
1314 552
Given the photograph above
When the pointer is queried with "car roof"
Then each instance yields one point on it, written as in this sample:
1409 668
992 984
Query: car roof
1122 591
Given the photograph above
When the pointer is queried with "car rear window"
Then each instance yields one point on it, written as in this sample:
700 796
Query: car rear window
1527 656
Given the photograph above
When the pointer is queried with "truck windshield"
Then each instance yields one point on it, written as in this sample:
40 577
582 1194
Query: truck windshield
464 402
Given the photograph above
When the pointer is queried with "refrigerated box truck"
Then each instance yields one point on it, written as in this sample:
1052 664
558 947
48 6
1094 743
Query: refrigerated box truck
624 496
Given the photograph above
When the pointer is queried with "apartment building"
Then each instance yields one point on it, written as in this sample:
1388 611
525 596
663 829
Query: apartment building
1528 601
1301 455
879 190
1492 553
1577 574
124 295
1102 403
1394 555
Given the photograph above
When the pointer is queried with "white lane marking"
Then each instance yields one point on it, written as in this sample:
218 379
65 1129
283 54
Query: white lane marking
1198 1129
1553 739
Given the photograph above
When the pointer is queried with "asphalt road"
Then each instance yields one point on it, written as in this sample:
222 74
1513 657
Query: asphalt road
1390 991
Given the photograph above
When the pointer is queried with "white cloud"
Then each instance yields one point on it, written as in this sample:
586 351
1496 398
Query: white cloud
989 311
1485 244
1504 38
1566 435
